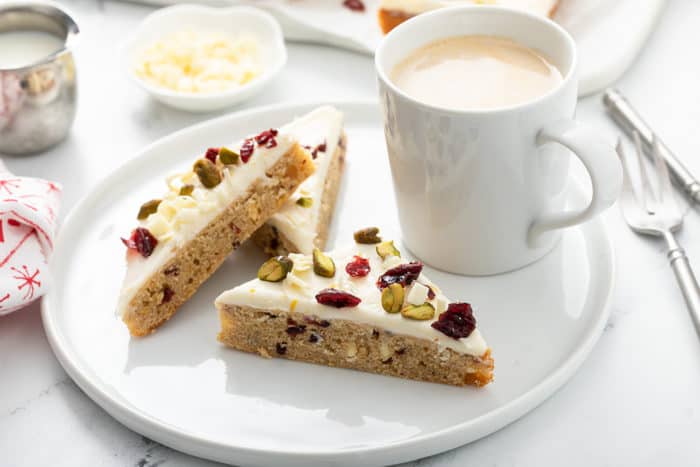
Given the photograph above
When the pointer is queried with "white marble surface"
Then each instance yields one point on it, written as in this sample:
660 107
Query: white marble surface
633 403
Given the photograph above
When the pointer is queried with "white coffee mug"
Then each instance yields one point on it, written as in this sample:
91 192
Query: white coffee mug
483 192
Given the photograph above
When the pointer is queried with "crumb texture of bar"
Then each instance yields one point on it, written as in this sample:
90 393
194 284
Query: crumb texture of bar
349 344
174 283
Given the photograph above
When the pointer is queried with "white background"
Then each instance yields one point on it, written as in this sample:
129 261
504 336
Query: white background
636 400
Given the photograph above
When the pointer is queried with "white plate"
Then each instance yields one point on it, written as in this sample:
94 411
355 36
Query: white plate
609 34
183 389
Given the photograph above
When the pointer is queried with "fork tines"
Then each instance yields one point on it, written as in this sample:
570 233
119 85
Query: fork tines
648 196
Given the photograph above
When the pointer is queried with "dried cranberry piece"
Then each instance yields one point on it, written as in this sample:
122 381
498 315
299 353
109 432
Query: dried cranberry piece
168 294
337 298
431 293
313 338
319 148
281 348
266 136
234 227
457 322
142 241
354 5
358 267
247 149
296 329
211 154
172 270
323 323
403 274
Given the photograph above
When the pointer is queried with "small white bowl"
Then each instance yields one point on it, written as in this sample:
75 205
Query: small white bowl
237 20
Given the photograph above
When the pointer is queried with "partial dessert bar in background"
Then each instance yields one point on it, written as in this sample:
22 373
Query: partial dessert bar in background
363 307
302 223
206 213
394 12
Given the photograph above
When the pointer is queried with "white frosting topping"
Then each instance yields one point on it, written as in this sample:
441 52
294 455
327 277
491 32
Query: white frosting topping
540 7
298 223
298 290
180 218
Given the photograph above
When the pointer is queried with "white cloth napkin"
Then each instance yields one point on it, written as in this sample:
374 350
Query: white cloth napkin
28 210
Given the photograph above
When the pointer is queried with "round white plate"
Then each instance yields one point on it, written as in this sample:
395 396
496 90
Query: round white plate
182 388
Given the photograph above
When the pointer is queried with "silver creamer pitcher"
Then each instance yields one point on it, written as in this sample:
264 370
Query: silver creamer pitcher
37 100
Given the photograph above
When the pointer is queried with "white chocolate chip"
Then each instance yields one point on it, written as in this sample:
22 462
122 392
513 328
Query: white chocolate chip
158 225
418 294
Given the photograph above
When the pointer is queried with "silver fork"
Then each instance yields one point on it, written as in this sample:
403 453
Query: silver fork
653 211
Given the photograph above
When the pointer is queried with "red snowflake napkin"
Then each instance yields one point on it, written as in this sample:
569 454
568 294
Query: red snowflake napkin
28 209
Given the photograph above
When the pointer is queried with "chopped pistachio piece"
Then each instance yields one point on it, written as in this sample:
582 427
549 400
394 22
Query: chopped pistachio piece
186 190
305 201
387 248
368 236
148 208
418 312
275 269
323 264
207 172
227 156
392 298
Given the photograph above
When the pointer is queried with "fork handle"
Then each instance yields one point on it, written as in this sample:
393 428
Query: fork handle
686 279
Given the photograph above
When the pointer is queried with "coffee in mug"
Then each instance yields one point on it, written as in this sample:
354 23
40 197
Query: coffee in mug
475 72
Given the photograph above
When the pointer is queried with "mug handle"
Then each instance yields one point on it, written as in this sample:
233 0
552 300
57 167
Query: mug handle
604 170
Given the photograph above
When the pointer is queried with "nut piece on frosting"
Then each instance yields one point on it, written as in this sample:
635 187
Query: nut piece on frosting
148 208
323 264
392 298
418 312
186 190
207 172
275 269
228 156
368 236
386 249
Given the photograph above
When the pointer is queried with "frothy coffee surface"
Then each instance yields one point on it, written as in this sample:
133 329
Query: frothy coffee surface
475 73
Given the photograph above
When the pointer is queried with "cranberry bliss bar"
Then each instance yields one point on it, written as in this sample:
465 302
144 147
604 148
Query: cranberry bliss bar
394 12
362 308
206 213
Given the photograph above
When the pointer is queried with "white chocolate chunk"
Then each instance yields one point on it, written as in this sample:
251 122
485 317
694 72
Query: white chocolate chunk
418 294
